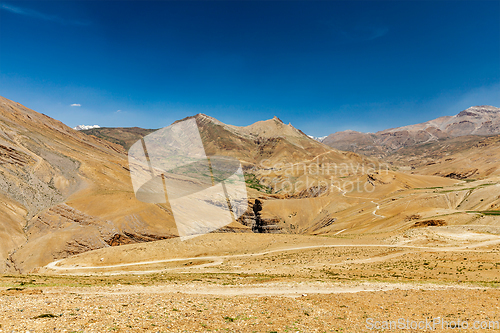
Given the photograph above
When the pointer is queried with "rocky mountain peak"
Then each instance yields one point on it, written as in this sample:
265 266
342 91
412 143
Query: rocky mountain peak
278 119
479 111
476 120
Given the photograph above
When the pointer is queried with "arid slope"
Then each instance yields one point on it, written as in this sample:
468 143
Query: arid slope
477 120
65 192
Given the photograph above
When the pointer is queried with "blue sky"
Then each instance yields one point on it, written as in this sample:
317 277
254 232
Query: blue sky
323 66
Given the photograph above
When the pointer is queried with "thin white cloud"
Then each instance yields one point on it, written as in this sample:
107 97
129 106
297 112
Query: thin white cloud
118 111
76 104
38 15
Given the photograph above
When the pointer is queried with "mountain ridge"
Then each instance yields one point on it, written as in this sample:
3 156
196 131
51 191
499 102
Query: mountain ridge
475 120
68 192
64 192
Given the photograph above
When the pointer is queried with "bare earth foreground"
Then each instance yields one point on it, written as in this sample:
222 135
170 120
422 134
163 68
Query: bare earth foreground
265 283
179 308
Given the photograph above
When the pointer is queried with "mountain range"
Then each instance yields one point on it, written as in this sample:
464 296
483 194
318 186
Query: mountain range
477 120
64 192
68 192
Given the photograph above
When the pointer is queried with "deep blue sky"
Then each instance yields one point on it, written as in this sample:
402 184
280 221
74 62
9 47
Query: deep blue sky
323 66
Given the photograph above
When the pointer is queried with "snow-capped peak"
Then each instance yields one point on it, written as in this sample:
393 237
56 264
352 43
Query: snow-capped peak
318 138
85 127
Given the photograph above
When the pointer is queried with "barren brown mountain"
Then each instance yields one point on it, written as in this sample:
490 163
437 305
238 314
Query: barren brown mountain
64 192
123 136
67 192
330 238
475 158
476 120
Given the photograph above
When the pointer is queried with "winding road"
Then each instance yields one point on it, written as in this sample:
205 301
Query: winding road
217 260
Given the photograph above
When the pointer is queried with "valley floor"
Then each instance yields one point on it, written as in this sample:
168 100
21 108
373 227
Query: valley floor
265 283
201 306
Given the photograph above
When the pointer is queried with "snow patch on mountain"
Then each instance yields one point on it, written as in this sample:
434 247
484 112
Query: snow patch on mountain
85 127
318 138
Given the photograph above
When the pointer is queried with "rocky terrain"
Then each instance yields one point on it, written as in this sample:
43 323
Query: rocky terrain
64 192
477 120
69 192
124 137
167 307
264 283
330 238
472 158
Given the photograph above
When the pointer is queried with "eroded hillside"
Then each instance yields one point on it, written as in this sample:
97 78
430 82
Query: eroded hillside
65 193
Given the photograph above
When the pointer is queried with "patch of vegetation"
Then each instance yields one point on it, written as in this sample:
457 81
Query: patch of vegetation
485 212
252 182
468 188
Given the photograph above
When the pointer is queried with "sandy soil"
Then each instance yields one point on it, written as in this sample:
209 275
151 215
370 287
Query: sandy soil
264 283
266 307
